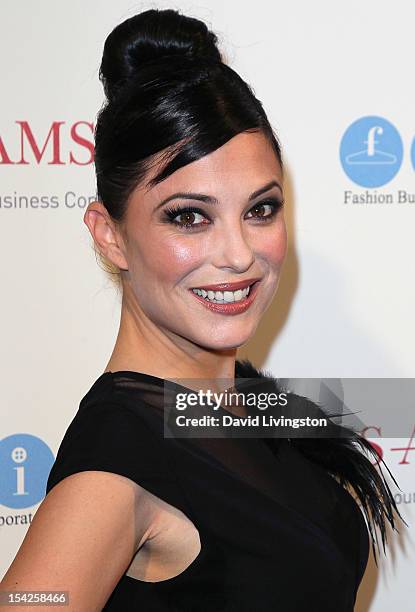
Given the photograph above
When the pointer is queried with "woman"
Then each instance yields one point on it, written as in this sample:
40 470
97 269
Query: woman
189 215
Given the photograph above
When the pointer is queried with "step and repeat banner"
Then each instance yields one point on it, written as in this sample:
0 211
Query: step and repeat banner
336 80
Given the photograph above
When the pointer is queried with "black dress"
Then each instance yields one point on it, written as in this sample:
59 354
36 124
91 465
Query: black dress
278 532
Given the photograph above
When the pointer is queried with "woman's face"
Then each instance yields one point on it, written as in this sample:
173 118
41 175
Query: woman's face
232 236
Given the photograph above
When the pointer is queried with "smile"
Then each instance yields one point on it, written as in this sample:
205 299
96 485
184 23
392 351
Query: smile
226 301
220 297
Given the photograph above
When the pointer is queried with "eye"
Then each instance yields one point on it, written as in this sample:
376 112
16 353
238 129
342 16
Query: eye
187 217
264 211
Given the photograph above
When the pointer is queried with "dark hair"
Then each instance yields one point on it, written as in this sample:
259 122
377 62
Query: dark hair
170 98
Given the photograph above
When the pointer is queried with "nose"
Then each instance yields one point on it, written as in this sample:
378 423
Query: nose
232 248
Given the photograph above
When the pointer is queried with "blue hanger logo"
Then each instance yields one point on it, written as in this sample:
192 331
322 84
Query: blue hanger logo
371 151
25 463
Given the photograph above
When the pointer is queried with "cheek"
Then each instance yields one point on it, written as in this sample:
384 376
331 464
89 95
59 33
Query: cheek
173 258
273 246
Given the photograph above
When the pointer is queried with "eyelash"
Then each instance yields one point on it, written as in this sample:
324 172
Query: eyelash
174 211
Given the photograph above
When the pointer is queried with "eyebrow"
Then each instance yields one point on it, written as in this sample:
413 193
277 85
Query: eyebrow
212 200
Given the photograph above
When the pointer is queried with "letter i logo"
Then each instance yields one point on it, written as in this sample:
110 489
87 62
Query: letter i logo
25 463
19 456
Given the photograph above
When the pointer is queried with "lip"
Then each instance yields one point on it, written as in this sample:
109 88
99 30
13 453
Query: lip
230 308
229 286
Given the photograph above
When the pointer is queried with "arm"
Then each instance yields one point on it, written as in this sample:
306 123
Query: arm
82 538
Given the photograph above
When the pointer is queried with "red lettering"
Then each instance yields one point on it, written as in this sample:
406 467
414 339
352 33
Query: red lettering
5 159
83 142
25 130
406 449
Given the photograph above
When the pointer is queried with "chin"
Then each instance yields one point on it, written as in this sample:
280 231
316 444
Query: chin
225 341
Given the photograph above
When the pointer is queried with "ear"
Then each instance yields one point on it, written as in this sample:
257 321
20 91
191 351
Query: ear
105 233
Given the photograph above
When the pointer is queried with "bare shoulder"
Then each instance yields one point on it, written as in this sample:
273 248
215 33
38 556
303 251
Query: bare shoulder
82 538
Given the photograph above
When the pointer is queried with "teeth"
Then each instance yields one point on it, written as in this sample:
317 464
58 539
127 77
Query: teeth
223 297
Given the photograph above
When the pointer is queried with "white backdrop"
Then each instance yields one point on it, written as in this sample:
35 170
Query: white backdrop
345 303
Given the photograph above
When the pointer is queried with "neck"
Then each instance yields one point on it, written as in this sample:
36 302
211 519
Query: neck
142 346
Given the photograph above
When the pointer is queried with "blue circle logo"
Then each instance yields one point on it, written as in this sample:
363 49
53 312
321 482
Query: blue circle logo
413 153
25 463
371 151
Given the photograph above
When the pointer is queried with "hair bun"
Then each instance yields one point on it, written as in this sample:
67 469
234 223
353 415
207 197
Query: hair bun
149 36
